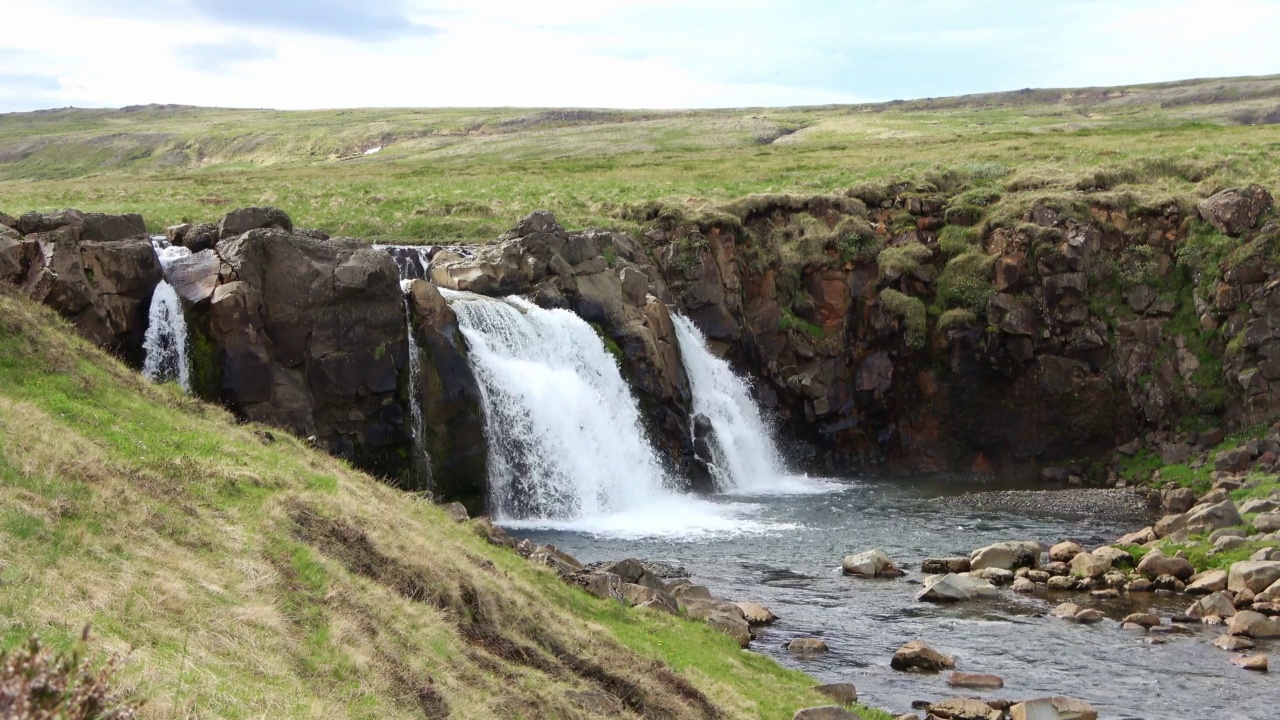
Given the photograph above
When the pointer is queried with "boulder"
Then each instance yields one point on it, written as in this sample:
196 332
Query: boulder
723 616
1267 522
996 576
843 693
1140 585
1065 610
1253 625
1064 551
1156 563
634 571
1145 620
1208 519
1257 663
1258 505
1054 708
964 709
1168 583
916 656
1236 210
825 712
1088 616
956 588
635 595
1232 643
1141 537
1114 555
942 566
1178 500
872 563
1270 595
456 511
1204 583
1006 556
238 222
1256 575
603 585
1170 524
807 646
977 681
1061 583
1219 604
1088 565
1024 586
756 614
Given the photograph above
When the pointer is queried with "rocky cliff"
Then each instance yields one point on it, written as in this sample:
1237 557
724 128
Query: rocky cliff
899 328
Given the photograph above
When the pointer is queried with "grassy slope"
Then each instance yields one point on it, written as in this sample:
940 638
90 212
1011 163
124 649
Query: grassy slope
254 580
467 174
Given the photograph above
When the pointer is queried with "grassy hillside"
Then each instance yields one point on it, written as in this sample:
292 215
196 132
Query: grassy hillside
449 174
247 579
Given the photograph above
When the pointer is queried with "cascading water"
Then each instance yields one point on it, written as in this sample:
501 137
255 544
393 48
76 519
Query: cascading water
742 445
165 343
413 263
567 446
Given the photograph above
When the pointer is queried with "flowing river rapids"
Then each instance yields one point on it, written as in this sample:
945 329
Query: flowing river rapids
571 465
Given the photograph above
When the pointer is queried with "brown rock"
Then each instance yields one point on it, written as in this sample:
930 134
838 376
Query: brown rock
917 656
975 680
843 693
1234 211
1257 663
807 646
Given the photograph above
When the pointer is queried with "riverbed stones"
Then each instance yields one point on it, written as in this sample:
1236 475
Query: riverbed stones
1140 585
1062 583
825 712
1006 555
1219 604
1057 568
1144 620
1064 551
1088 565
807 646
995 576
1256 575
1053 708
1270 595
1023 586
977 681
1065 610
964 709
1252 624
872 563
1232 643
1156 563
915 656
1256 663
1168 584
1211 581
956 588
942 566
1114 555
1088 616
756 614
843 693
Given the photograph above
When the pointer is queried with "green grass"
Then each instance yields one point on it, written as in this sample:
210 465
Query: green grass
244 579
447 174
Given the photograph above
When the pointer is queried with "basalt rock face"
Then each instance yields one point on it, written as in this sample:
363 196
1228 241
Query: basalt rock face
98 271
452 407
306 335
607 279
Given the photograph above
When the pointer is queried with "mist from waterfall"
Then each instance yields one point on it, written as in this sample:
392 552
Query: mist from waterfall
567 448
165 344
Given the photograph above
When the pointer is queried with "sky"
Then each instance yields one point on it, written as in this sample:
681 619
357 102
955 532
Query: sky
298 54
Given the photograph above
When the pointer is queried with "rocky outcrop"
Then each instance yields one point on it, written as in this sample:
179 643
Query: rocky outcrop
1236 211
306 335
452 407
98 271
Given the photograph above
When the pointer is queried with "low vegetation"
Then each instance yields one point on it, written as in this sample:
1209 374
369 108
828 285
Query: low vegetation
246 577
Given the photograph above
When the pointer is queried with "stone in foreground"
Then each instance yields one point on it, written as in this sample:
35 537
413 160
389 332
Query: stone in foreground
1257 663
1231 643
1253 625
977 681
1053 708
915 655
826 712
964 709
756 614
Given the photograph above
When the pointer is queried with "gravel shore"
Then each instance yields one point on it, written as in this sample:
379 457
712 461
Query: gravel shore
1121 505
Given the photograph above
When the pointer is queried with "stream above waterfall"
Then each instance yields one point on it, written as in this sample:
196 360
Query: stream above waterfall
786 554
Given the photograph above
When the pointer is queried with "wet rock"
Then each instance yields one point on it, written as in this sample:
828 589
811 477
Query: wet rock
1234 211
843 693
1257 663
807 646
1054 708
1024 586
1168 583
1006 556
1253 625
1064 551
872 563
942 566
916 656
1057 568
1156 563
1233 644
1253 574
1038 577
956 588
1065 610
1062 583
1219 604
995 576
826 712
1144 620
1114 555
756 614
1088 616
1141 585
977 681
965 709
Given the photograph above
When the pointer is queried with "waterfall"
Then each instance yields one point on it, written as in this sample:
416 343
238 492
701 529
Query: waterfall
413 263
742 444
165 342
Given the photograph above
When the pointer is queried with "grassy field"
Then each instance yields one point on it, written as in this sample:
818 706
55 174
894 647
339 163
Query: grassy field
456 174
252 580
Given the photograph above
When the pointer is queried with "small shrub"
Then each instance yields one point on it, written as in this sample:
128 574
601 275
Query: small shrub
955 239
789 321
966 282
903 259
957 317
912 311
36 684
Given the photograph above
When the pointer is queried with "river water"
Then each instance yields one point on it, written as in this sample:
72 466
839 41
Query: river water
786 554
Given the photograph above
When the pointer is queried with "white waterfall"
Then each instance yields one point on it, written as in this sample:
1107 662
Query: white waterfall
742 443
420 464
165 343
567 448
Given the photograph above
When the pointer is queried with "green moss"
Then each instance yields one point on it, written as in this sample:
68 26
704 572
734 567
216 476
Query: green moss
954 240
913 314
957 317
788 320
609 344
1139 466
965 282
903 259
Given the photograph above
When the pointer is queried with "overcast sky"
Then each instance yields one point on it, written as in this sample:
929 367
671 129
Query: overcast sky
607 53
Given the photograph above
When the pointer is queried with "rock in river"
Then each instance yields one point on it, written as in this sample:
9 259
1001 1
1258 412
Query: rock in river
977 681
956 588
1256 575
1054 708
807 646
915 655
1253 625
872 563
